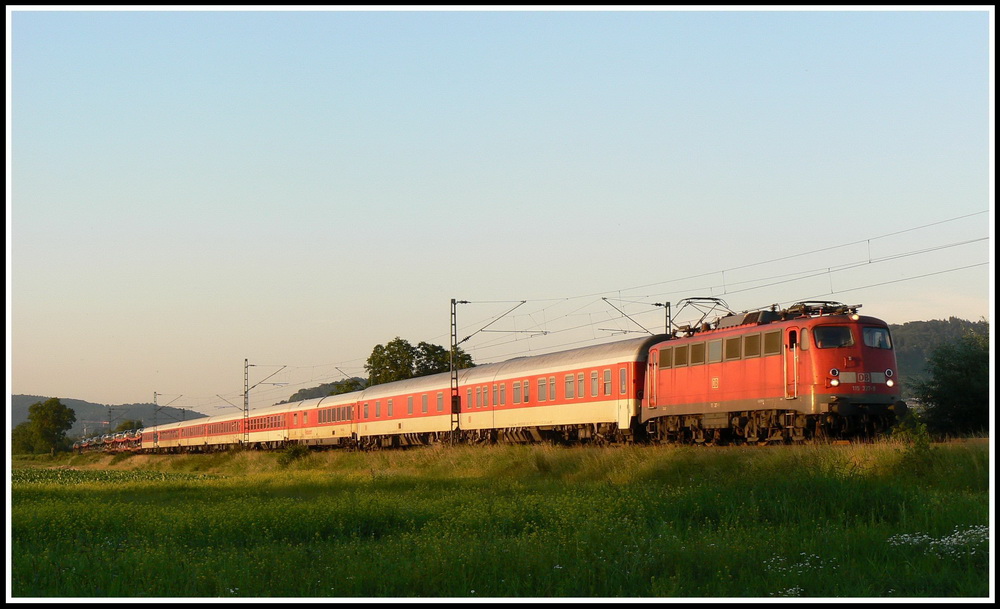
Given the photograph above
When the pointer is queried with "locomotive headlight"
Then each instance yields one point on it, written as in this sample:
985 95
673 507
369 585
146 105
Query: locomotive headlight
834 382
889 382
855 316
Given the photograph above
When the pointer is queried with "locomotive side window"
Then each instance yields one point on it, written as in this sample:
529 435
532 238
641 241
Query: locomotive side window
697 354
772 343
680 356
804 339
665 357
715 351
877 338
733 347
828 337
751 345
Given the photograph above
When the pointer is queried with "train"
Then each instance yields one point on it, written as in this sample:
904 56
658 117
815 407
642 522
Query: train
816 371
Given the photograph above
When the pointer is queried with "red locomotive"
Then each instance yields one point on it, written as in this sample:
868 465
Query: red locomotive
813 371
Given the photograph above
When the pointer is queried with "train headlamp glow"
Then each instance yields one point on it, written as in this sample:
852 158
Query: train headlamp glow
834 382
889 382
855 316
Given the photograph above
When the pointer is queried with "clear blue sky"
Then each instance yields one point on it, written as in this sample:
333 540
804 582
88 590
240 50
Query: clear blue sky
187 190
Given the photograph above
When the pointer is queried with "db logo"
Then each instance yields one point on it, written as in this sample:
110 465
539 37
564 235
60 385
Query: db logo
864 377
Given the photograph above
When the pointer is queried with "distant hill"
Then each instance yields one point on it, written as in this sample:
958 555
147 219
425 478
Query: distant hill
94 417
915 341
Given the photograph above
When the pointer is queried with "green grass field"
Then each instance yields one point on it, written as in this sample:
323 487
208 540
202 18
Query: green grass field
885 520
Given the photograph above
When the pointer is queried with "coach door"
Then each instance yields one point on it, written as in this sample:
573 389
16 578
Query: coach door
791 363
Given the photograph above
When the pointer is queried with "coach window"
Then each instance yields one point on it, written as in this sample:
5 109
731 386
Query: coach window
552 387
680 356
526 385
772 343
607 381
366 410
623 381
594 381
440 401
295 418
733 346
305 418
697 354
570 385
503 394
581 388
541 390
496 394
715 351
409 405
517 392
479 397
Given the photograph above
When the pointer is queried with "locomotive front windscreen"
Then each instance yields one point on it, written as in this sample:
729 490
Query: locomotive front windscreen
877 338
827 337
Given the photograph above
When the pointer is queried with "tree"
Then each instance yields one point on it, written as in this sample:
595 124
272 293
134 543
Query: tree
23 440
398 360
392 362
432 359
48 423
956 396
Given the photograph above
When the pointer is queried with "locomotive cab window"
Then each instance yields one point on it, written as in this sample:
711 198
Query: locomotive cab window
829 337
877 338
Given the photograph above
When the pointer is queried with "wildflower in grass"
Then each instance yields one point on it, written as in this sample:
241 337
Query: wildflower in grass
793 591
800 564
961 542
